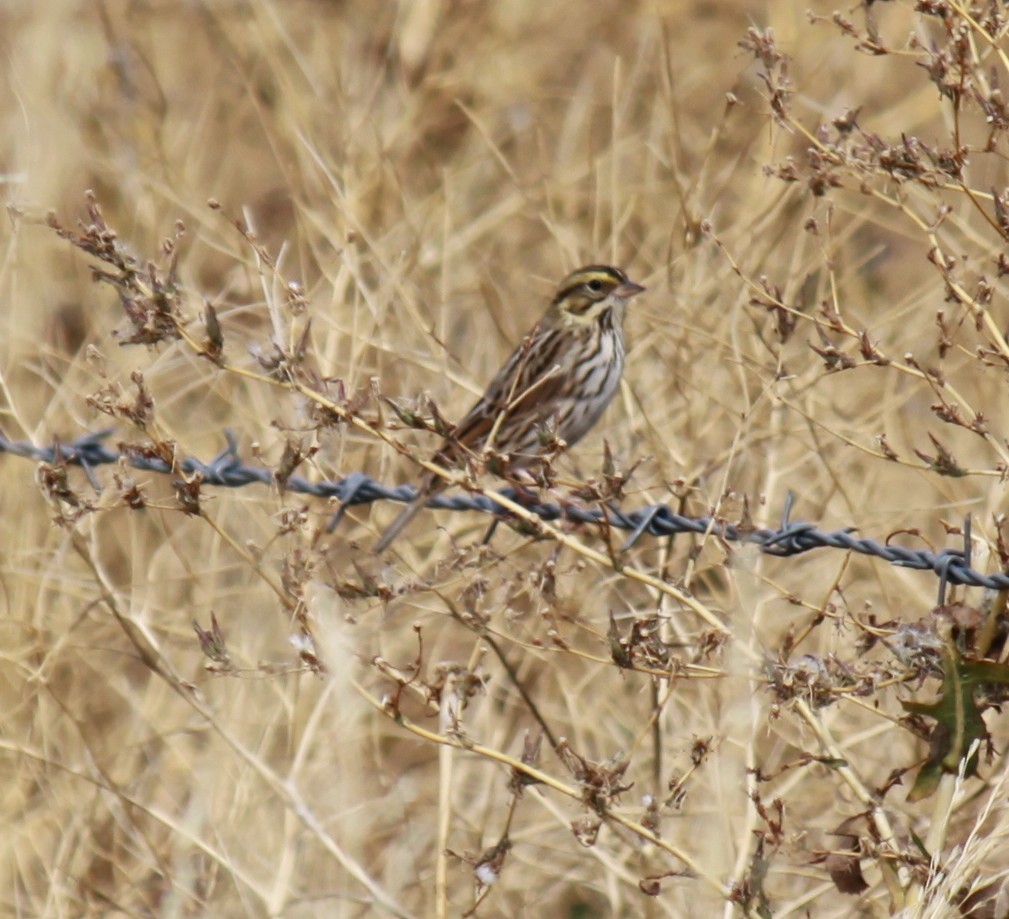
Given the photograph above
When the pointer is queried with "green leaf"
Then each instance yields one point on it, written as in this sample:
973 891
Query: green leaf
959 722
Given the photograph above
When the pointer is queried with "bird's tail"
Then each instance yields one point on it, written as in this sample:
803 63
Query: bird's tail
424 494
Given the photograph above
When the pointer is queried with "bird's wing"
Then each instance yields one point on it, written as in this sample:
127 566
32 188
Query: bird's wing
529 377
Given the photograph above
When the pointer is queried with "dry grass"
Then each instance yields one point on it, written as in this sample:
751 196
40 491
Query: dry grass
426 170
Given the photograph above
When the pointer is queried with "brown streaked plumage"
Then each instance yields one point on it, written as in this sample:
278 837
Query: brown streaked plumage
562 376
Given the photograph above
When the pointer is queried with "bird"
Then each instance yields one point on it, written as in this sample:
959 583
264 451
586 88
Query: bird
558 381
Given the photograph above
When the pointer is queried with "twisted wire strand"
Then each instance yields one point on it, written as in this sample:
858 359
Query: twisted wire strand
227 470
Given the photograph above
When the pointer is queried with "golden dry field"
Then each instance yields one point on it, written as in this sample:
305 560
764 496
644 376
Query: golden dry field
318 228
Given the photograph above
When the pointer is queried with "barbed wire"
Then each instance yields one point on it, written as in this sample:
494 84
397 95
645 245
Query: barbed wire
227 470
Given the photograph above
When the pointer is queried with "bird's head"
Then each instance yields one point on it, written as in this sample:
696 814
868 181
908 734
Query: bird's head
588 294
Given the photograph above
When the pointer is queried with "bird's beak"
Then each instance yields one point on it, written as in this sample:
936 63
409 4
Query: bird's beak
627 290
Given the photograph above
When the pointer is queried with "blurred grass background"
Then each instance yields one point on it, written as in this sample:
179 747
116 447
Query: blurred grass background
427 171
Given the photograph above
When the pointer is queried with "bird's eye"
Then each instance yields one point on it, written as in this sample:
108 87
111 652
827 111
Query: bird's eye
595 285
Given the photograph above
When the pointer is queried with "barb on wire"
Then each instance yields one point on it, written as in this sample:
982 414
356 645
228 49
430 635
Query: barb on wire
227 470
